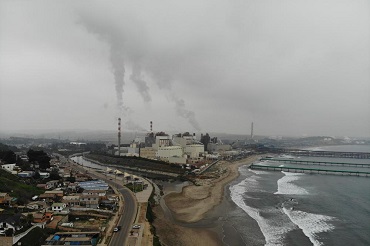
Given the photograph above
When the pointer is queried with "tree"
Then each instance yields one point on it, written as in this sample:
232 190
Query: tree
71 179
8 156
54 174
37 175
40 157
29 219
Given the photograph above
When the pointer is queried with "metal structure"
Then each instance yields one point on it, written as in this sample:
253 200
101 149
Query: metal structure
310 170
320 163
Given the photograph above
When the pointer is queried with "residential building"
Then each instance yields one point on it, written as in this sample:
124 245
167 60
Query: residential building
10 221
58 193
42 217
9 168
44 175
73 238
71 201
37 205
49 185
99 193
49 198
26 174
59 207
89 201
53 184
5 198
72 187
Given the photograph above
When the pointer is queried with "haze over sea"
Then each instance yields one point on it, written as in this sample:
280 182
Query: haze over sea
282 208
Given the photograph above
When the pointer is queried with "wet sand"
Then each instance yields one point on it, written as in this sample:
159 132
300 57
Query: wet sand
189 223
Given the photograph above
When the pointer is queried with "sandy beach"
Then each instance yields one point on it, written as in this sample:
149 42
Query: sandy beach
192 205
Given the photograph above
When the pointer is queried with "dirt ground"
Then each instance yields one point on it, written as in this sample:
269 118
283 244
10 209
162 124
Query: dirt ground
192 204
147 236
172 234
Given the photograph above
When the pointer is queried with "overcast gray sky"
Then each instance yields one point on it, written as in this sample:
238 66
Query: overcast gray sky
293 67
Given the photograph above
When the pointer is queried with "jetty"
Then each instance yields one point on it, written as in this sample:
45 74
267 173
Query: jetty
309 170
320 163
319 153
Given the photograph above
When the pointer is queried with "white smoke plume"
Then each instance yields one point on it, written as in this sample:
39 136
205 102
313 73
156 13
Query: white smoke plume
140 83
117 61
125 48
183 112
116 54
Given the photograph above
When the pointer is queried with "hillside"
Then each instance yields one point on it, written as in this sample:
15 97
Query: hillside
16 187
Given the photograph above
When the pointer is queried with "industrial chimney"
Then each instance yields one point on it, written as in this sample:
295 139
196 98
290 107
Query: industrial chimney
119 136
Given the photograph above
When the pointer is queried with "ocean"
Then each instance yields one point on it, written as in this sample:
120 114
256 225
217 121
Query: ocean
284 208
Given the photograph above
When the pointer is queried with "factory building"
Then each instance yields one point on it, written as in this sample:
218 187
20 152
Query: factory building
162 141
218 147
194 151
180 149
148 152
165 152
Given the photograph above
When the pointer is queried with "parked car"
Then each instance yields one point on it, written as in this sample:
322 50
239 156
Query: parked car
136 227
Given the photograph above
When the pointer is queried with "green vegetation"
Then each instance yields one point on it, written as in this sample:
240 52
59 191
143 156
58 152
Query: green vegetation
13 185
137 162
6 154
40 157
135 188
150 216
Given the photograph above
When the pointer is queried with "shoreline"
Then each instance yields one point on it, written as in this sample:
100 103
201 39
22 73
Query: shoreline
192 206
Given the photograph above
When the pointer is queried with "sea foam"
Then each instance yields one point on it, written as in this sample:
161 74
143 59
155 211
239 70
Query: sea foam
285 185
310 223
258 172
273 231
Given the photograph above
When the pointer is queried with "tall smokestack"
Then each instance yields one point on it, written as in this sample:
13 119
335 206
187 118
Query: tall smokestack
151 126
252 131
119 136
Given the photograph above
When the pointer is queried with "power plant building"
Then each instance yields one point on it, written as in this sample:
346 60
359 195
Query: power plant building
194 151
180 149
165 152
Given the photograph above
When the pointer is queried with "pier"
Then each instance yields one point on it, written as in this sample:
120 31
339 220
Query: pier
336 154
310 170
320 163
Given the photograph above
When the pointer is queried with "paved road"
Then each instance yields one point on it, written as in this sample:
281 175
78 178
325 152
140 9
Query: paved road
129 212
127 218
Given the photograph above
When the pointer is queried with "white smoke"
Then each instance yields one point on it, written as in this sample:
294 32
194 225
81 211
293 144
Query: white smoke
123 49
